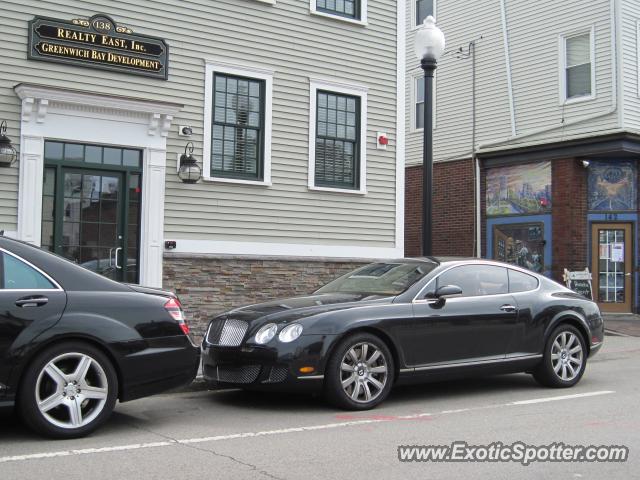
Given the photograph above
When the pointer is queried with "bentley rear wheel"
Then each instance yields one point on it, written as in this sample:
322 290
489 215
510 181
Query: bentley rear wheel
565 358
360 373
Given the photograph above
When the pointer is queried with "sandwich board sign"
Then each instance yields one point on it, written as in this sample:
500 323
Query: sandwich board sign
579 282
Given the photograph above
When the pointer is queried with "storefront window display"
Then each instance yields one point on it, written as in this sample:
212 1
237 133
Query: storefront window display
520 244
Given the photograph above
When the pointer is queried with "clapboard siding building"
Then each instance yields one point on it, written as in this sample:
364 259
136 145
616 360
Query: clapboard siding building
556 134
285 103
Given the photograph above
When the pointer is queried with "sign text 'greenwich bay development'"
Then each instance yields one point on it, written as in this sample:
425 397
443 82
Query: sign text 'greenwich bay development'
98 43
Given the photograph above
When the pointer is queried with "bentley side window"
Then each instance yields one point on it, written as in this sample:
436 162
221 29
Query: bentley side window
476 280
521 282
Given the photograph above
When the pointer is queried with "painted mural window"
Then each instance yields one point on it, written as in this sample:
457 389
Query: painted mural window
519 189
520 244
612 186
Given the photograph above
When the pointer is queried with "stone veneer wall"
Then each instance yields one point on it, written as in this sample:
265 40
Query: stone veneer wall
211 285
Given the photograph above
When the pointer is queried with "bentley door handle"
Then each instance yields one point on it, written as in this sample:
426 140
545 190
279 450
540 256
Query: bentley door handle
508 308
32 302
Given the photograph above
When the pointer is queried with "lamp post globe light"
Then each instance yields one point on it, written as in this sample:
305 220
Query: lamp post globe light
429 47
190 171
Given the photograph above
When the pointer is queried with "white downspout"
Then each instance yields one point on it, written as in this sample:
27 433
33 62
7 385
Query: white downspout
514 130
614 94
507 66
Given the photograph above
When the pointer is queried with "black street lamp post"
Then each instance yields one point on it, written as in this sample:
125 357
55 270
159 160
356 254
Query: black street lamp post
429 46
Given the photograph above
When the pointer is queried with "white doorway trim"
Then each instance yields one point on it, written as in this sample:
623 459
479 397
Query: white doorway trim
79 116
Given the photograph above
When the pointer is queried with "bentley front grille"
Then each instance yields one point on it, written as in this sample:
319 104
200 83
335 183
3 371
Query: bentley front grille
276 375
245 374
227 332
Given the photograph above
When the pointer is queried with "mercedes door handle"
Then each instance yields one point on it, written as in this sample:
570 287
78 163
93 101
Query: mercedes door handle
508 308
32 302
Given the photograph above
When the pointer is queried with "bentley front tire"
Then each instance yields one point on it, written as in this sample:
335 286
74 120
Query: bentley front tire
360 373
565 358
68 391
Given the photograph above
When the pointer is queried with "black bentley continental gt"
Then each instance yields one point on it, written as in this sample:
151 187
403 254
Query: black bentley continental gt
73 342
410 320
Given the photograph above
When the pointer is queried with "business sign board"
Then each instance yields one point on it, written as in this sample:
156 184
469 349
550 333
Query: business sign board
98 43
579 282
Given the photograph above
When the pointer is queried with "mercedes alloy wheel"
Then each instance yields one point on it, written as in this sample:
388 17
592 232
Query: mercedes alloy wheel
68 391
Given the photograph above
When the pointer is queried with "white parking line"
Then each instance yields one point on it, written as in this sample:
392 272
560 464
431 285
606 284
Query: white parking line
283 431
563 397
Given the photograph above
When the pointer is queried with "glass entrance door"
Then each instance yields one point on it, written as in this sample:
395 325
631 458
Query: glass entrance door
612 267
91 215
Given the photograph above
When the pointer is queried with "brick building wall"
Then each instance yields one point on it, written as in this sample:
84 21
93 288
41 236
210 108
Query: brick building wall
453 209
569 216
208 285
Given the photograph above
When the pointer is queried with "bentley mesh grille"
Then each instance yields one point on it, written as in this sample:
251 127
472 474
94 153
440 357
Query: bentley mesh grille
245 374
276 375
227 332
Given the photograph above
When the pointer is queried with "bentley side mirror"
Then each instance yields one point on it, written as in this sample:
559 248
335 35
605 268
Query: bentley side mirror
448 291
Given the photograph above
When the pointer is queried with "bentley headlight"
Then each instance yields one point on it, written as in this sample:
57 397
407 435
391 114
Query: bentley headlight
266 333
290 333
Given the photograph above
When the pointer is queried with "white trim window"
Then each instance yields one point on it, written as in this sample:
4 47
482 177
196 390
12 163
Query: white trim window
417 112
418 104
577 73
238 125
352 11
337 137
420 10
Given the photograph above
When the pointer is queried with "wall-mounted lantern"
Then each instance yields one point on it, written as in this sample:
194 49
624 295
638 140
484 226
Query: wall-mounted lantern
8 153
190 171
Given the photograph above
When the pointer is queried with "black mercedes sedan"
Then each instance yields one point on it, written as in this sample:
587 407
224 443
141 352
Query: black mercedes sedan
73 342
410 320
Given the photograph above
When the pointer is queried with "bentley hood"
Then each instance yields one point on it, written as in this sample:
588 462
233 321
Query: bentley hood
293 309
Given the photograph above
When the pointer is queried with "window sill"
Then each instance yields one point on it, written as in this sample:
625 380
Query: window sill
584 98
338 190
269 2
339 18
260 183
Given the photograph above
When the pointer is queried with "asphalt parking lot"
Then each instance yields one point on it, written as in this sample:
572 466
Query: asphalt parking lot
234 434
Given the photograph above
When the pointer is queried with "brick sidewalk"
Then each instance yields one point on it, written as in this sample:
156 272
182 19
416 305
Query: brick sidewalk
627 324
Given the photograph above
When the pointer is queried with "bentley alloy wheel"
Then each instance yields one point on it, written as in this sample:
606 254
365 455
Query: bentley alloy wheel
364 372
360 372
564 359
567 356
